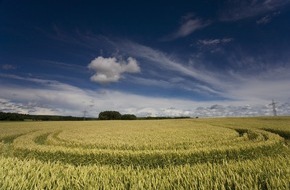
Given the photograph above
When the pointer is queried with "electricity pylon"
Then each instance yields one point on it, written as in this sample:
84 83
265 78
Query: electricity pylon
273 104
85 113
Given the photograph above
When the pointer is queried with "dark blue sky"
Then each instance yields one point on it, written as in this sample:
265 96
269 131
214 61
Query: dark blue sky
145 57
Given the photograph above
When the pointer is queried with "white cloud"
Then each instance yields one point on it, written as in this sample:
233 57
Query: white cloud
53 97
65 99
110 69
25 108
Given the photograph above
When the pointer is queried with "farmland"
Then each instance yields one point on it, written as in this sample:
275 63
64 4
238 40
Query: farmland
221 153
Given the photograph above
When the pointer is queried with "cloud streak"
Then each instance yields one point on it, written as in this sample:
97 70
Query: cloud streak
8 67
264 20
240 9
164 62
188 26
267 19
214 42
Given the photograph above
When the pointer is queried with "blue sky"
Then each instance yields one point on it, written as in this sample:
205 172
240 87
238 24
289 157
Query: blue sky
149 58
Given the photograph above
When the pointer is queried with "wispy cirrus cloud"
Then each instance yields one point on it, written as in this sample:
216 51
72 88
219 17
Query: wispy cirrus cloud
178 84
268 81
240 9
188 25
62 65
166 62
235 86
214 42
8 67
267 19
215 45
228 83
258 79
264 20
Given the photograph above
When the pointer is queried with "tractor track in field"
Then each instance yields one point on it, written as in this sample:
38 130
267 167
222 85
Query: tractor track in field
143 158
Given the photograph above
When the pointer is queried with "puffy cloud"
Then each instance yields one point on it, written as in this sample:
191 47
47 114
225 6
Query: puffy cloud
110 69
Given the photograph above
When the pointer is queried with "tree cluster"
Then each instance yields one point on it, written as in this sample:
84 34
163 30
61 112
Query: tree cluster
114 115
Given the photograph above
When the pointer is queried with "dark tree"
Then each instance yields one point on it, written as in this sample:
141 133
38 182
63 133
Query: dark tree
110 115
128 117
21 117
11 117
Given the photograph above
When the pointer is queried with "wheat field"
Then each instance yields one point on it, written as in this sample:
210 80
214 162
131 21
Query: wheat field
221 153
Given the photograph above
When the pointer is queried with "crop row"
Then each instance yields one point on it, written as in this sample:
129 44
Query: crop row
150 159
143 136
262 173
189 144
256 144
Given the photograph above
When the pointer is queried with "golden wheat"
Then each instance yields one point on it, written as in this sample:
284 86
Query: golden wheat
227 153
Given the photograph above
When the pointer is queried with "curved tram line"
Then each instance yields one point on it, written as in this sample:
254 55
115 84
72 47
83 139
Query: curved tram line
46 145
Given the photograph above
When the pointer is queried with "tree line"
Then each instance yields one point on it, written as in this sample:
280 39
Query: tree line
105 115
26 117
